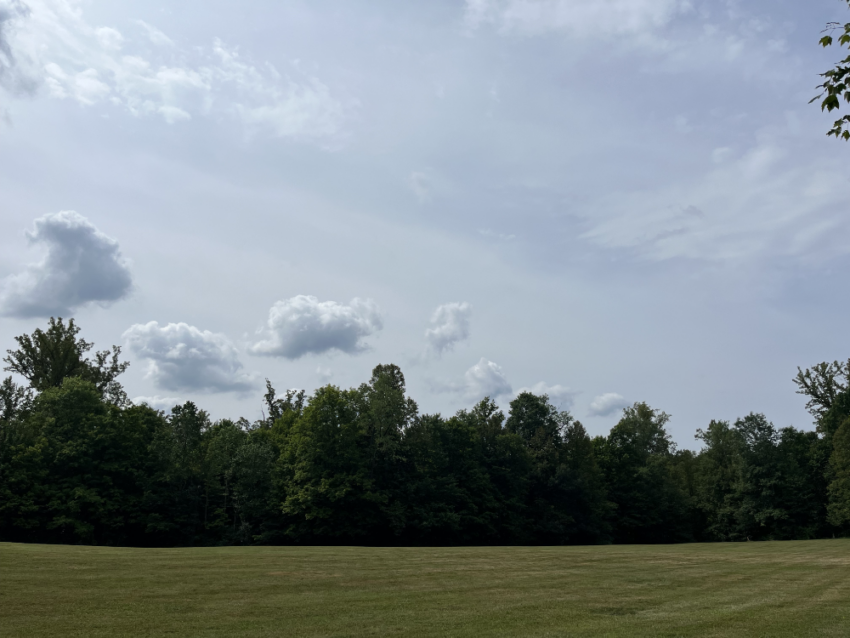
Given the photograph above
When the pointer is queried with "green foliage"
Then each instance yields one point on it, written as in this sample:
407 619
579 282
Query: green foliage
15 403
330 493
363 466
450 496
292 402
835 87
71 474
839 486
567 499
756 482
637 460
719 478
48 357
822 383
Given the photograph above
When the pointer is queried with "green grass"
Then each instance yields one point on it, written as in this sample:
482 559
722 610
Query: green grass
744 589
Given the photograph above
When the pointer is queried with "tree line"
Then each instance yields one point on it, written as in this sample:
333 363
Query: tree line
79 463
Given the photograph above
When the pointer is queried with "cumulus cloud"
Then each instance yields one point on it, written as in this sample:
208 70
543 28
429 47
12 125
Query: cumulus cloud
606 404
304 325
486 378
159 403
184 358
575 17
101 65
82 266
449 325
561 396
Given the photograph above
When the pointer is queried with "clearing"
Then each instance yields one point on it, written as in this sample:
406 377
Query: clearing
724 589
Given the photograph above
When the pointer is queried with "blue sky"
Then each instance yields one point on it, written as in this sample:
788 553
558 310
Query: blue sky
608 201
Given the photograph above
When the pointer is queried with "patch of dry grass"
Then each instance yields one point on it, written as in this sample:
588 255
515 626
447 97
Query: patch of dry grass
746 589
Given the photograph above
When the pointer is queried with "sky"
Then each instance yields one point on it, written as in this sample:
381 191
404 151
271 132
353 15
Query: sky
607 201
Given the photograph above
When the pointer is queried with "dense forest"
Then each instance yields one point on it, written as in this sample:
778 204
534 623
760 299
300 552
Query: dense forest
80 464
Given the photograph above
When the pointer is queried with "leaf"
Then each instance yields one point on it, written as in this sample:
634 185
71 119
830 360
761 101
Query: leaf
830 103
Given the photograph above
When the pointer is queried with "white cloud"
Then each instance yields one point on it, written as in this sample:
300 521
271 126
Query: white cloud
606 404
82 265
304 325
266 100
449 325
14 76
183 358
159 403
109 38
486 378
99 65
561 396
583 18
764 203
156 36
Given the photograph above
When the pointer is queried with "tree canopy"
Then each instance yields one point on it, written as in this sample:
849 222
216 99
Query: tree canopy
48 357
364 465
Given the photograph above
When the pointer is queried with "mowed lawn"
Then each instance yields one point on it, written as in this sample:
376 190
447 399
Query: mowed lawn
742 589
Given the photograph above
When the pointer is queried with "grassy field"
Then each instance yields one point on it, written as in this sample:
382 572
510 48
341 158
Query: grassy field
745 589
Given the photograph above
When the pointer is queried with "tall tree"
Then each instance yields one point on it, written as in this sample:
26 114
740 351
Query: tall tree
651 507
450 499
777 494
390 412
567 498
175 499
719 480
839 485
506 465
330 492
822 384
220 445
48 357
584 493
79 474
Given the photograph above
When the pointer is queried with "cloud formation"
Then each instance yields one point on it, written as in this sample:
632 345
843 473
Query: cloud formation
156 36
101 65
449 325
575 17
304 325
12 77
606 404
183 358
82 266
486 378
729 214
561 396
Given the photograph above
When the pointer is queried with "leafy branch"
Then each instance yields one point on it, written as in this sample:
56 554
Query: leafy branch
835 86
